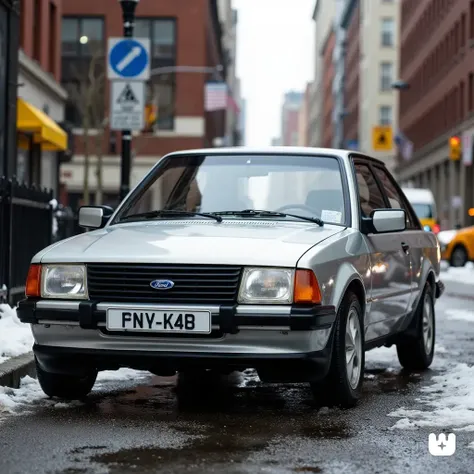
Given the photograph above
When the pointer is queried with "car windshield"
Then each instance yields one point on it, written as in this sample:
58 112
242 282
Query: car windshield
423 211
309 186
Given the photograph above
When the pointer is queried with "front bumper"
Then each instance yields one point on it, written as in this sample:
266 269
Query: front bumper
293 341
227 319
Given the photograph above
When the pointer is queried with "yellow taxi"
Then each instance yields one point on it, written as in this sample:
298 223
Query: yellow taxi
424 205
457 246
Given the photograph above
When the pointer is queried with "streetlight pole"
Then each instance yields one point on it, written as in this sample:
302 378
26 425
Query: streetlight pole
128 13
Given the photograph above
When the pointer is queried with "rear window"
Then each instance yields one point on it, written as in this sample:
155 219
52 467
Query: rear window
423 211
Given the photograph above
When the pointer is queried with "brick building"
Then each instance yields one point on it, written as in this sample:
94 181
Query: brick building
181 34
41 100
290 114
352 77
327 83
439 103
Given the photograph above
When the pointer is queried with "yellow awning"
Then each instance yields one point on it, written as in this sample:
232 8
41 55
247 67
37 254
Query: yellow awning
44 129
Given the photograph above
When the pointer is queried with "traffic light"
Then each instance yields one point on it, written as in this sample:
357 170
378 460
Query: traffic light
455 148
151 114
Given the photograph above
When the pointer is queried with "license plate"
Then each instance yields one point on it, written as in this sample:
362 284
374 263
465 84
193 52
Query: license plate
175 321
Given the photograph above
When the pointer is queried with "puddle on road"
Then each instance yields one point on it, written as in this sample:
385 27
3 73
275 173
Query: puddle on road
224 423
383 381
307 469
209 450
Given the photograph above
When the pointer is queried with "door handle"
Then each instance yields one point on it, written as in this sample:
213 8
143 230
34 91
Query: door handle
405 247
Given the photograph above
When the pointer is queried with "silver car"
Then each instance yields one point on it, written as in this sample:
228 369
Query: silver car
291 261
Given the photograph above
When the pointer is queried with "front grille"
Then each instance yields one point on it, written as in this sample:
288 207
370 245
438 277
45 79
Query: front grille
193 284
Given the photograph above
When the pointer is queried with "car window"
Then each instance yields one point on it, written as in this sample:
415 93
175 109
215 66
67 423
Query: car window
370 195
310 186
395 197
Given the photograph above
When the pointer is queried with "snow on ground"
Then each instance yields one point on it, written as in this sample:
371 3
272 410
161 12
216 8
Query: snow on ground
460 274
14 401
384 358
460 315
15 337
449 402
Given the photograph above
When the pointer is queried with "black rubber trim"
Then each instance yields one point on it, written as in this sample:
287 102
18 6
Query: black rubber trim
312 317
26 311
227 320
304 318
440 287
86 315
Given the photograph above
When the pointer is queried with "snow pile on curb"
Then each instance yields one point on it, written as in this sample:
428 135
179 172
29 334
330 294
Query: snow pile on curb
450 398
459 274
15 337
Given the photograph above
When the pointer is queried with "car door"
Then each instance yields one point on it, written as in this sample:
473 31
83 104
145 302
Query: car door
413 235
391 291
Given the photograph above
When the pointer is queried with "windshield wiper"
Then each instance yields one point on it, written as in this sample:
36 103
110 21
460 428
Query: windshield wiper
170 213
263 213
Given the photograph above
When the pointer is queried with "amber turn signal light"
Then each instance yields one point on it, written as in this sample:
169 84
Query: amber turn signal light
306 287
33 281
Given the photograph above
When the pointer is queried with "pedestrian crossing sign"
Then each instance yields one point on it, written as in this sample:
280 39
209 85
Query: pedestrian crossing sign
382 138
127 105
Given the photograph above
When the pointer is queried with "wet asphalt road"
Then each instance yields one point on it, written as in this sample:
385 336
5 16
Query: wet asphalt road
226 426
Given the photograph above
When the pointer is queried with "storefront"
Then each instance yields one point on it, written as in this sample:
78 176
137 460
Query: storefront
40 139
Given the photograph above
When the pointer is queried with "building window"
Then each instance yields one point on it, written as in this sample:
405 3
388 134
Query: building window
385 115
471 18
82 37
37 37
388 32
53 23
82 70
161 87
470 98
386 76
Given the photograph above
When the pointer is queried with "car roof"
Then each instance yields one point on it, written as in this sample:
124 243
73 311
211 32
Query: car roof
280 150
421 195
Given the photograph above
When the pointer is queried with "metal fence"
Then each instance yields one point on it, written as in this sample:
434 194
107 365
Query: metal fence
26 227
67 223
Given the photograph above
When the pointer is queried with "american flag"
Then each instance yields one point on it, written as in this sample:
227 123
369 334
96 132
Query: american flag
405 146
218 97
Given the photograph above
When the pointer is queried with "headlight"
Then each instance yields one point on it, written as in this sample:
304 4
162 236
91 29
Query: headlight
438 253
64 281
267 285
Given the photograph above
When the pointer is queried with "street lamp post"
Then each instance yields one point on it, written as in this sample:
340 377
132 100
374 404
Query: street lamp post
128 13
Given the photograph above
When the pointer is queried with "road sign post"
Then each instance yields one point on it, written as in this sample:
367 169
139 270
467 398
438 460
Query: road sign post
128 62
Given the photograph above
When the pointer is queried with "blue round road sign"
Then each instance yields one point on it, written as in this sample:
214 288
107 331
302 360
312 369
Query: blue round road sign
128 58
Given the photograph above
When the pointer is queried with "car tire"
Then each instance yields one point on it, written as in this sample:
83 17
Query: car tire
343 385
416 353
66 386
459 256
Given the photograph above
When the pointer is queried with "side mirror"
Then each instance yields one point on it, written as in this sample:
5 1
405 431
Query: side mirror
94 217
388 220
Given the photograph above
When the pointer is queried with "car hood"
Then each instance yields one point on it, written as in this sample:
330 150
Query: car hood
247 242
